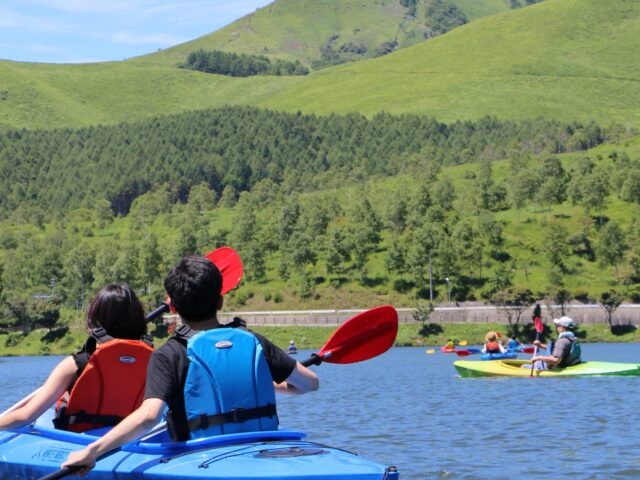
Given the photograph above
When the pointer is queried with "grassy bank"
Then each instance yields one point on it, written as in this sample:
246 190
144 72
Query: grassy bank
41 342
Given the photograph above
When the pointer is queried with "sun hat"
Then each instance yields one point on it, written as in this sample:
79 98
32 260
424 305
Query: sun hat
491 336
566 322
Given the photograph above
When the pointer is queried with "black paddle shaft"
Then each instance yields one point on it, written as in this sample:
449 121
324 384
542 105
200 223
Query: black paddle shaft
63 472
163 308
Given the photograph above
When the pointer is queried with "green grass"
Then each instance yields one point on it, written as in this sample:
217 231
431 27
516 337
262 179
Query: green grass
561 59
297 29
473 9
313 338
48 96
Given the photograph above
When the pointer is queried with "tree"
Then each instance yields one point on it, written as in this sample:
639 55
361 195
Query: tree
150 260
610 301
78 268
511 303
202 198
555 245
553 188
596 189
557 301
523 188
611 245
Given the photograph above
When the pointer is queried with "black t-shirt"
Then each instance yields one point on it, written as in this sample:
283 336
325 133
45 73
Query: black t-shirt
167 374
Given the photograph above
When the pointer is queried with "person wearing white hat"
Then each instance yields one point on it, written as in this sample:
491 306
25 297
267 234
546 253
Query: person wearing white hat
565 351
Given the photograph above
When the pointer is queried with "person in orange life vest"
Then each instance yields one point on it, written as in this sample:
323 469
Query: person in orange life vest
194 288
117 310
492 345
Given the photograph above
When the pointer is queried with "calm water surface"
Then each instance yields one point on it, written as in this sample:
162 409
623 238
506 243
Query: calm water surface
410 409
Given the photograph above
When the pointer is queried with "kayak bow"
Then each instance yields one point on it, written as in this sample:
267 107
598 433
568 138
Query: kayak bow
514 368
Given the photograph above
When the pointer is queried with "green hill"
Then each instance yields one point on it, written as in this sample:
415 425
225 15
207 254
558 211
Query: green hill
299 29
562 59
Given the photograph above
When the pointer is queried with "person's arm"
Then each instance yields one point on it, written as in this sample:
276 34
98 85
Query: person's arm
301 380
502 349
548 359
139 422
59 380
539 344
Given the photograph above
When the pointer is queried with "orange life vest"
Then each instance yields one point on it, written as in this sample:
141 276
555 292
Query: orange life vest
110 387
492 347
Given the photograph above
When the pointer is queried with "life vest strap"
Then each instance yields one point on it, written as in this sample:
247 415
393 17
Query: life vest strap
236 415
62 421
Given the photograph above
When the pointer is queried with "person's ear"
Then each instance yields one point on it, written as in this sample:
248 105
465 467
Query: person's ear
220 302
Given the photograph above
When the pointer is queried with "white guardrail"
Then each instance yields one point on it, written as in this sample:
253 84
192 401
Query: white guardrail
627 313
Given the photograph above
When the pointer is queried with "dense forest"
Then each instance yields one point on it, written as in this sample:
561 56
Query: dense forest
315 206
233 149
240 64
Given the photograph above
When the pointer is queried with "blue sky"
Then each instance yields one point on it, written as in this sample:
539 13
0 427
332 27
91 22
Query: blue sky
75 31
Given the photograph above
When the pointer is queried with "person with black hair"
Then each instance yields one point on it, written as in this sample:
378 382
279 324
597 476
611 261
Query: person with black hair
115 313
203 352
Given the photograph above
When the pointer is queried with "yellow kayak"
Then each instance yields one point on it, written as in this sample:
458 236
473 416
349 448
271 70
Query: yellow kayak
514 368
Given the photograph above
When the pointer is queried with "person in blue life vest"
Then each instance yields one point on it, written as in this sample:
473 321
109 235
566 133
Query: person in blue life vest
513 343
564 352
114 313
177 380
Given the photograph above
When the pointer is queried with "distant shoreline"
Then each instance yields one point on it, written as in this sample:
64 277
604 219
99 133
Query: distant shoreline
40 342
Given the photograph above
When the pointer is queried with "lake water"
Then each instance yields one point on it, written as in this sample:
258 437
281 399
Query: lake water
410 409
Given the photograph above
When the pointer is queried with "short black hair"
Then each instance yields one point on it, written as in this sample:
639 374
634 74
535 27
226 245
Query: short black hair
116 308
194 288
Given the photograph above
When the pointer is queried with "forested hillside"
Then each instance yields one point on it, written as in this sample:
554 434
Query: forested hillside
325 211
236 148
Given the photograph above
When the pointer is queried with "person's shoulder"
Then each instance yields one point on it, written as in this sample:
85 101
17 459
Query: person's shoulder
171 348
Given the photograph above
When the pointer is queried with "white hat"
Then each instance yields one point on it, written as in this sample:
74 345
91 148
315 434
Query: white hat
566 322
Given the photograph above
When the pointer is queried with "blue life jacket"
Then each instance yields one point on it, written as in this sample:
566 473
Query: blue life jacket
513 344
229 388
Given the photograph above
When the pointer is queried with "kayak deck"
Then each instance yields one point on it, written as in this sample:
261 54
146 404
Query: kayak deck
34 451
514 368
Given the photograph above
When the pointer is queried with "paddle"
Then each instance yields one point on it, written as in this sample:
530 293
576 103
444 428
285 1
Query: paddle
362 337
230 266
467 352
537 322
63 472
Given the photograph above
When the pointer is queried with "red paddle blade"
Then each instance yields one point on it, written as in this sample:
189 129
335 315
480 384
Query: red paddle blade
528 350
463 353
538 324
362 337
230 265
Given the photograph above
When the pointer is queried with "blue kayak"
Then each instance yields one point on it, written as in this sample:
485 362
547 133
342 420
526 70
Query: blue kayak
510 355
37 450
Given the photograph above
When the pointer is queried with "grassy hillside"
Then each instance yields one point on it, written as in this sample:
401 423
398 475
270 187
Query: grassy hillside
298 29
562 59
48 95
